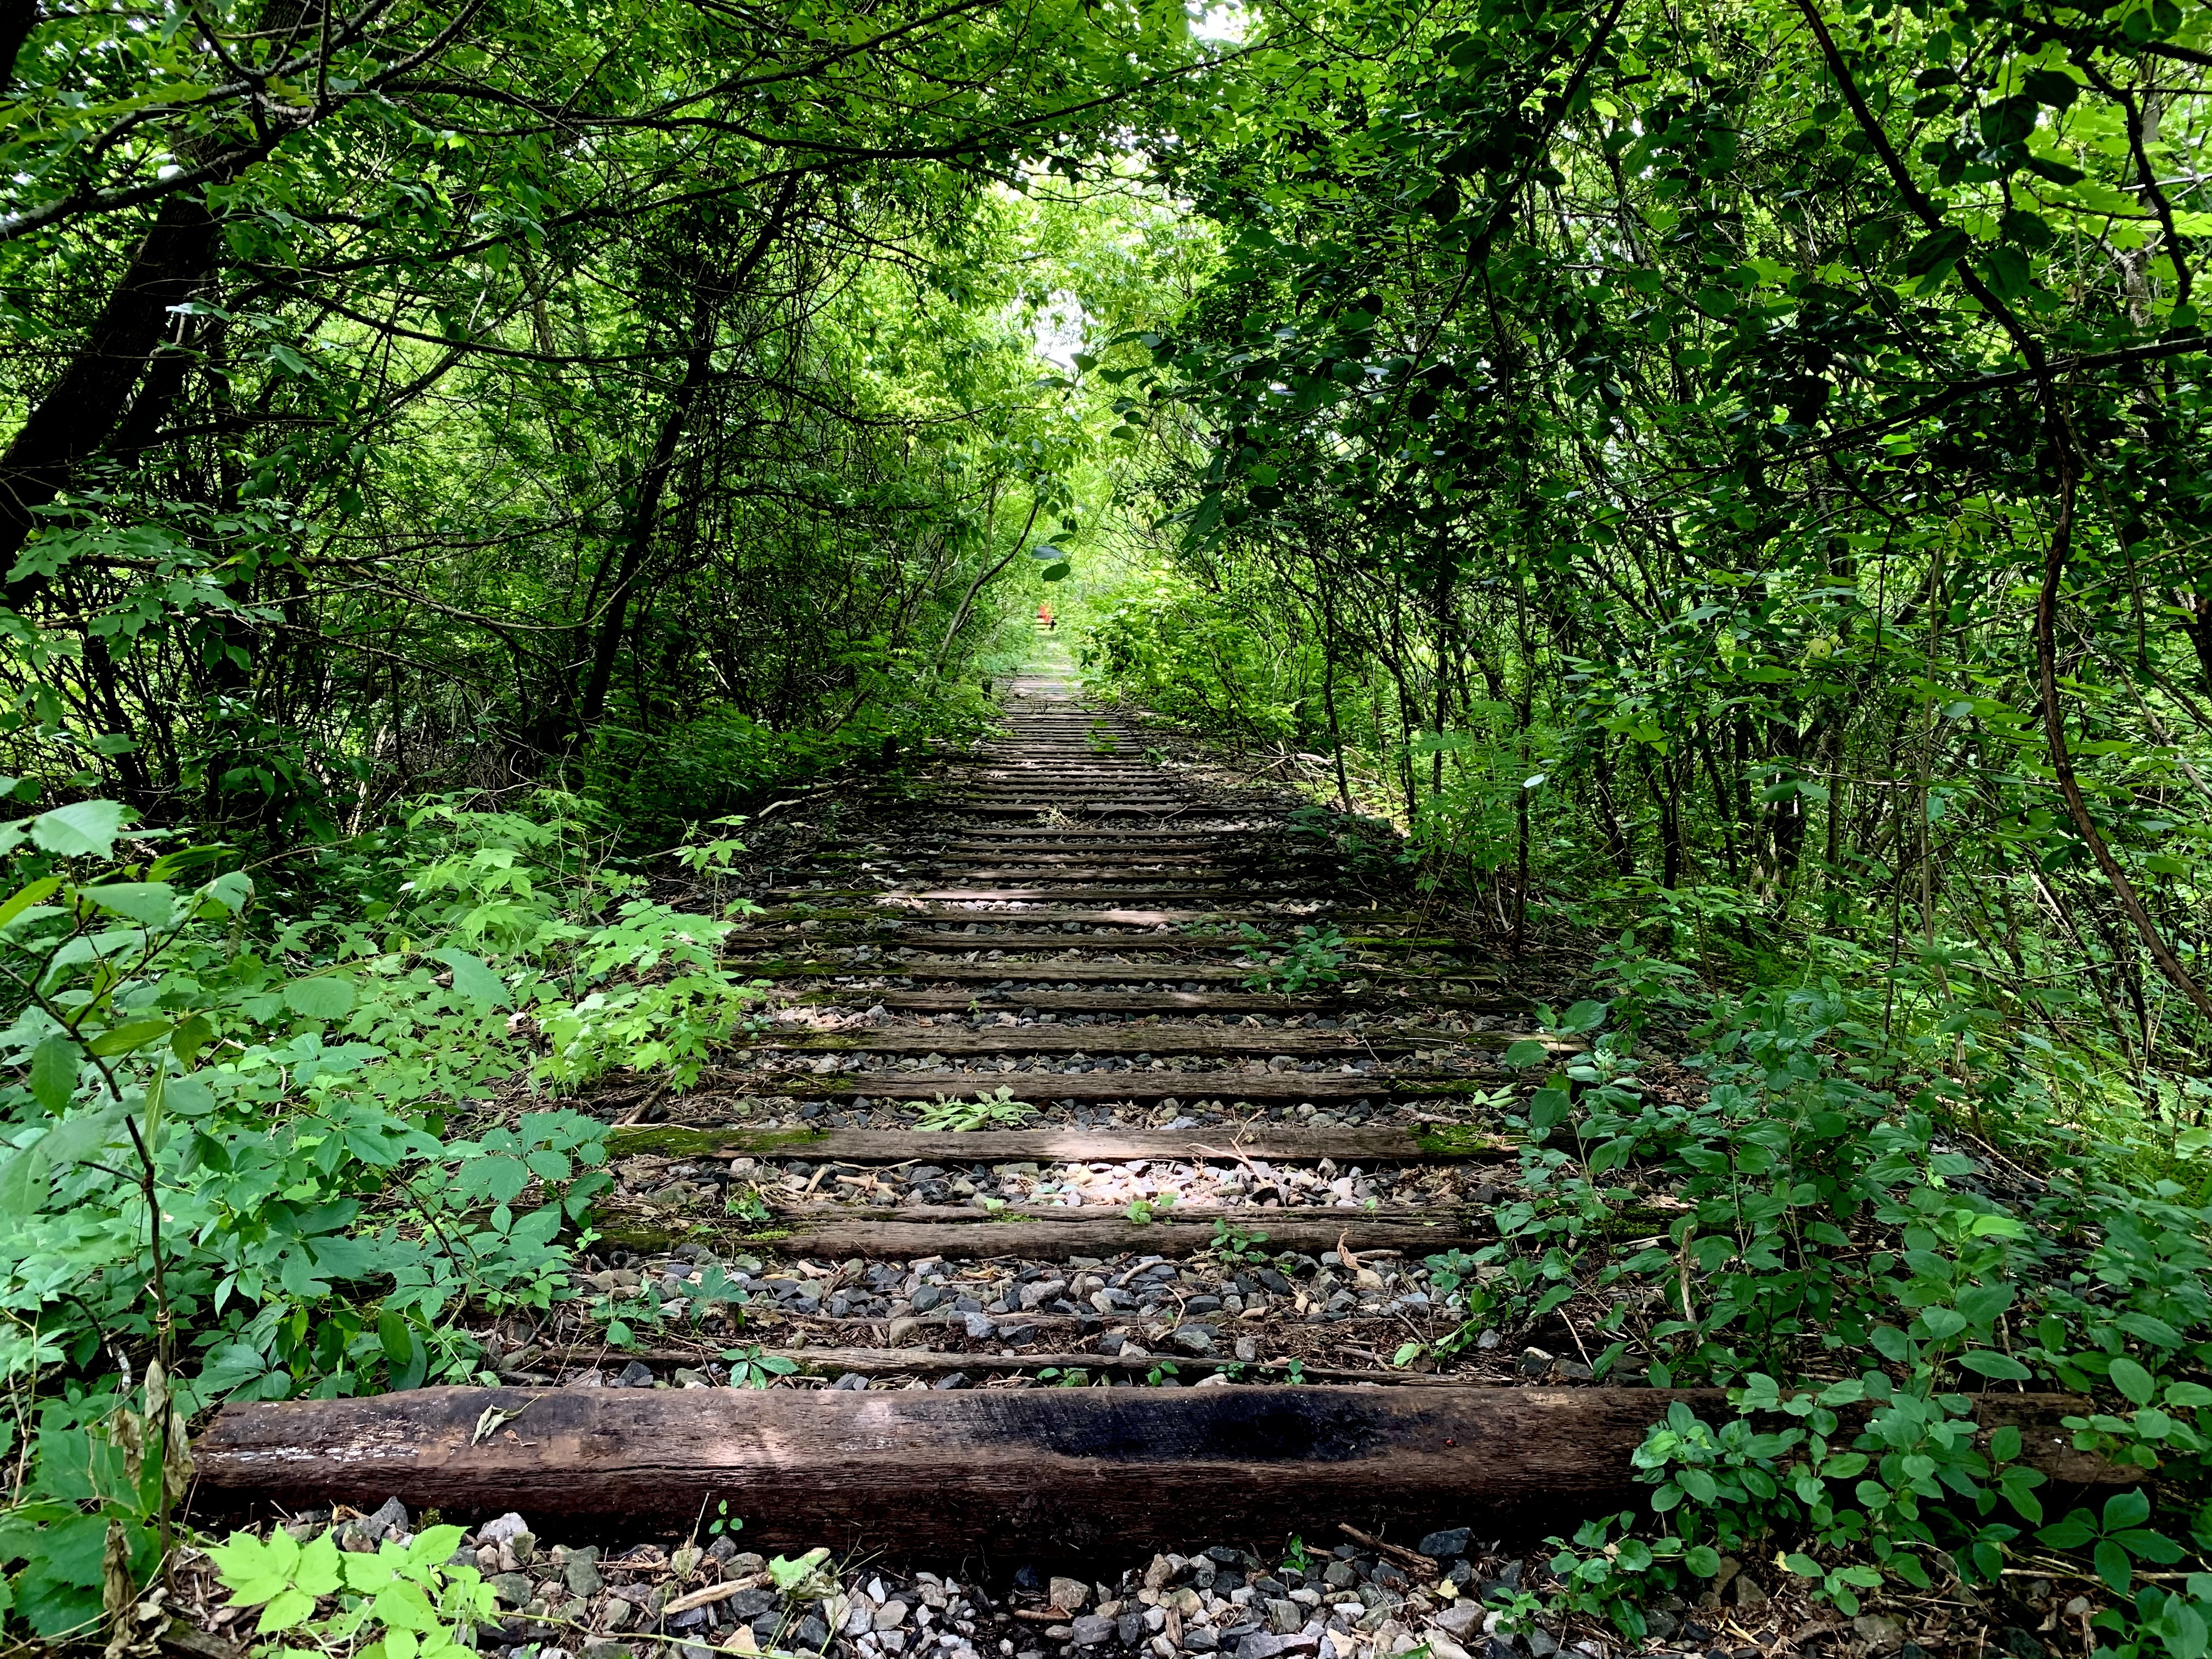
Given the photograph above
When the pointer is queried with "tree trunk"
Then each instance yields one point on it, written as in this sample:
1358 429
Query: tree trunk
17 19
644 518
74 419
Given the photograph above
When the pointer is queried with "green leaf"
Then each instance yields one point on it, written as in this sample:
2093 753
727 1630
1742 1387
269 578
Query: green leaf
2004 1367
128 1038
318 1571
2126 1509
474 979
2075 1530
81 1136
1527 1052
1942 1322
24 898
2113 1566
151 904
1937 248
2058 172
397 1341
85 829
2133 1381
252 1571
326 996
1583 1017
2007 271
2007 121
24 1183
53 1073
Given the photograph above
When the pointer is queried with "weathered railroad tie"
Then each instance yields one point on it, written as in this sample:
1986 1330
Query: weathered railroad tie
1041 1471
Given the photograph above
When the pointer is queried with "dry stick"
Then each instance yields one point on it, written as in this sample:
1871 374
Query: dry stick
2056 549
1397 1552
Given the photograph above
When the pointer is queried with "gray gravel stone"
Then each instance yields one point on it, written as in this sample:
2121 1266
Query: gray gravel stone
581 1572
1459 1619
1130 1628
1442 1546
1091 1631
505 1526
1070 1594
636 1374
513 1588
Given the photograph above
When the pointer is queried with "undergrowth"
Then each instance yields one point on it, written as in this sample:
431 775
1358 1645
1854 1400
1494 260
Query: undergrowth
291 1130
1862 1250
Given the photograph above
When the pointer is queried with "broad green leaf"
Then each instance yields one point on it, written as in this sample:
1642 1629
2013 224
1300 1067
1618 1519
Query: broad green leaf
288 1607
86 828
253 1569
317 1571
127 1038
151 904
53 1073
83 1135
326 996
2126 1509
25 1181
24 898
2133 1381
474 979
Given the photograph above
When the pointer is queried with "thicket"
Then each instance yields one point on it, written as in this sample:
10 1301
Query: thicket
1728 484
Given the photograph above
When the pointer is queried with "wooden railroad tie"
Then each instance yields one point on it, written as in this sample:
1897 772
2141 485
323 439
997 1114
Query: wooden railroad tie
1042 1471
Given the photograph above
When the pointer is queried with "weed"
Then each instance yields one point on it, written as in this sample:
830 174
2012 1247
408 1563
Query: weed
1236 1247
1314 955
996 1110
749 1368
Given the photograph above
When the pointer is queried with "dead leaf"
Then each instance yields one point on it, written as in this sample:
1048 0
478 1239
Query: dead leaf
493 1419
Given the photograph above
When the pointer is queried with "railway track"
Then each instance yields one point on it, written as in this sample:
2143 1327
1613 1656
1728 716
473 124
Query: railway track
1194 1270
1176 1174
